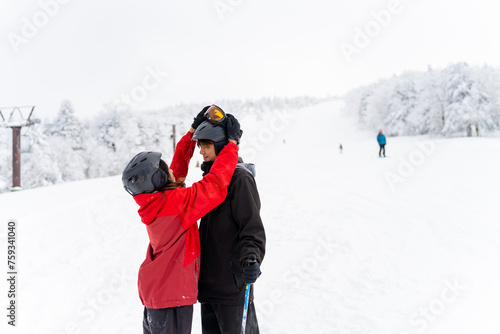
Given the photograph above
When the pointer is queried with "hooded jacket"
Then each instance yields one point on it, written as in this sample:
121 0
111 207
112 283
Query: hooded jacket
168 277
381 139
229 234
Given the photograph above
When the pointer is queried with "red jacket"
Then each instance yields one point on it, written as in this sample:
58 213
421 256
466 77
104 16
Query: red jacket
168 277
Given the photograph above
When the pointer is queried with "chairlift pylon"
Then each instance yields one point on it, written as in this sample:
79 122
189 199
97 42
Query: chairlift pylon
13 117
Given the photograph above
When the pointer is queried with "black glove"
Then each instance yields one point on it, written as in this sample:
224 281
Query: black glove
251 270
233 128
199 118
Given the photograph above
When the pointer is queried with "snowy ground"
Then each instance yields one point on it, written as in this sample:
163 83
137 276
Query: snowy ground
356 244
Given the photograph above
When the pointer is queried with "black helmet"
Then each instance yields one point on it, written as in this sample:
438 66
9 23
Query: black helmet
143 175
214 132
209 131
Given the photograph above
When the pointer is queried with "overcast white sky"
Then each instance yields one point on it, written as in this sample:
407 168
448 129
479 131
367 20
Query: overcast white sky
164 52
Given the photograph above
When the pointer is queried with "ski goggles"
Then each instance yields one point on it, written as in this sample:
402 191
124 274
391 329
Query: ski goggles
215 114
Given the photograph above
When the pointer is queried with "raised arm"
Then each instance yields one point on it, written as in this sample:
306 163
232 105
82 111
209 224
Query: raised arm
183 154
204 195
185 148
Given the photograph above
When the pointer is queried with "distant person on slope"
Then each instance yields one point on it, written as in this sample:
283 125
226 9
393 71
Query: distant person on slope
168 277
232 239
381 141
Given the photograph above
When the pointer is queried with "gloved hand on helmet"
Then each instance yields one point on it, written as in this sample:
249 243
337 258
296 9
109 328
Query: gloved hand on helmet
233 129
200 118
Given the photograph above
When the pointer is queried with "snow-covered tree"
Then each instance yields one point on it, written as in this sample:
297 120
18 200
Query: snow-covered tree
64 135
432 102
66 126
467 109
458 100
363 106
400 108
488 81
40 165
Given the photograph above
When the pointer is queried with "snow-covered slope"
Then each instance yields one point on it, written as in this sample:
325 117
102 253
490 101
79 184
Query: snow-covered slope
356 244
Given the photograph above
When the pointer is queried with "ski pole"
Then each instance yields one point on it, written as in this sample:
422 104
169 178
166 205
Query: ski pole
245 309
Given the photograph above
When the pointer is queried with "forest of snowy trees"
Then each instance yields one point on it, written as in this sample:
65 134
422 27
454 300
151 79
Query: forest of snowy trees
458 100
68 149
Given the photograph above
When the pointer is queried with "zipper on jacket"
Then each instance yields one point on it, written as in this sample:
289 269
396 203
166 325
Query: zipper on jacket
234 276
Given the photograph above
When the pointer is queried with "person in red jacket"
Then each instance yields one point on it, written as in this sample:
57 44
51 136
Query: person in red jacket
168 277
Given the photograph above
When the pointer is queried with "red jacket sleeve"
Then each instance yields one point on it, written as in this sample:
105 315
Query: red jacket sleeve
203 196
182 155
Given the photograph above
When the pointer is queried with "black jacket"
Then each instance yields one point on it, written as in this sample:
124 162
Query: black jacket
229 234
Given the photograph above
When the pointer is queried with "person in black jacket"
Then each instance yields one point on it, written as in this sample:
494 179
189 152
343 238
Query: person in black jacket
232 240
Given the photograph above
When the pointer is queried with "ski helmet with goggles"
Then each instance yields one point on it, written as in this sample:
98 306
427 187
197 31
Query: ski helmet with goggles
143 174
210 131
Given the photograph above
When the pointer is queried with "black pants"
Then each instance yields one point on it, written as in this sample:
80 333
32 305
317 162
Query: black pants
382 147
172 320
226 319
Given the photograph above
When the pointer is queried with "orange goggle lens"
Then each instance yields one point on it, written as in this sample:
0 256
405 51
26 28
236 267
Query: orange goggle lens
215 114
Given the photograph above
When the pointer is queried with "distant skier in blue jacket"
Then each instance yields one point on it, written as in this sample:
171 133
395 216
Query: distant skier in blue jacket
381 141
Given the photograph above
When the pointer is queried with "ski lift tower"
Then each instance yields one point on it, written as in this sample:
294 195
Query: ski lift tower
15 118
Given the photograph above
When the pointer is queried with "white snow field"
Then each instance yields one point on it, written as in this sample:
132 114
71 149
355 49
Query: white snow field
355 243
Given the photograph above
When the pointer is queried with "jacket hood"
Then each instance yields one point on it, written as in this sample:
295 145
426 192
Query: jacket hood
249 167
150 204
